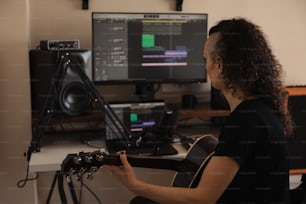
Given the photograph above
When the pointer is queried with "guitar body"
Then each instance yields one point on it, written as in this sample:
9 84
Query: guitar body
188 170
196 159
199 154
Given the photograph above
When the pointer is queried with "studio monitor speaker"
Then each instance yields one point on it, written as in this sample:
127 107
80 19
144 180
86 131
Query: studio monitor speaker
71 93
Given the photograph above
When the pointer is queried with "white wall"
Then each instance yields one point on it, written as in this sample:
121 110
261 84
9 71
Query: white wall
281 20
15 117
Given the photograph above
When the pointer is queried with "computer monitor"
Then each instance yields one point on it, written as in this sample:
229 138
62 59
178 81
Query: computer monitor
150 124
136 116
148 48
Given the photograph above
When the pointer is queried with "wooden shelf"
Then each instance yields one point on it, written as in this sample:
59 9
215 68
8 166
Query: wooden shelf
202 110
297 171
296 91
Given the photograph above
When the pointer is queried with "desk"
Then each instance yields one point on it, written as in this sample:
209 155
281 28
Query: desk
49 160
51 156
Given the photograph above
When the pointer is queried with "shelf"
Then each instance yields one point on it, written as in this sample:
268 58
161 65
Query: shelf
296 91
202 110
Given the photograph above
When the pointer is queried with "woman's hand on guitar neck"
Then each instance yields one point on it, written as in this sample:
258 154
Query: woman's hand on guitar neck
125 173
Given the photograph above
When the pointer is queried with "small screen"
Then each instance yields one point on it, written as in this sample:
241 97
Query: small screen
136 116
149 47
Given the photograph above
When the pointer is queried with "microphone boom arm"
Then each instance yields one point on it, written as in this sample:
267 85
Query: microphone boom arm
48 108
119 125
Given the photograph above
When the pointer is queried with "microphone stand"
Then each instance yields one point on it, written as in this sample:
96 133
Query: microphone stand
45 116
120 127
48 111
48 108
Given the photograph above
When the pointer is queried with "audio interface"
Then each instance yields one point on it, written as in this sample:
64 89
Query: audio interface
59 44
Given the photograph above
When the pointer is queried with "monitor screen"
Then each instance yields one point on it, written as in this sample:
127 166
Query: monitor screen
148 47
136 116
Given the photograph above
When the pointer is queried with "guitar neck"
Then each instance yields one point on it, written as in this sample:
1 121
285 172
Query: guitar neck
192 165
146 162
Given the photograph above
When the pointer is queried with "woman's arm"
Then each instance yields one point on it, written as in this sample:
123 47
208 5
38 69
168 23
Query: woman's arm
217 175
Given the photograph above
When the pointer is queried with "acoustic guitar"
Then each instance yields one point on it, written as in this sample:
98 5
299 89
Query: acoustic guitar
188 170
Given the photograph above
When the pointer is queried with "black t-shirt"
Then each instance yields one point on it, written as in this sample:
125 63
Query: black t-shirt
253 136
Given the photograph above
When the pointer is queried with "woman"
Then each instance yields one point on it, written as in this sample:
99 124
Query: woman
250 160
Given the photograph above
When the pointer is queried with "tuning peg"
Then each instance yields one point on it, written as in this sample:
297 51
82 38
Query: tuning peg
99 157
81 172
69 175
77 160
68 178
89 176
71 172
88 158
93 169
102 150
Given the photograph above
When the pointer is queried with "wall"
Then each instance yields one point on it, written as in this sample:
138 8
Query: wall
283 27
24 23
15 120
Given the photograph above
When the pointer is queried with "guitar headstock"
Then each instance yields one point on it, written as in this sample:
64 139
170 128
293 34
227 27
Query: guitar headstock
87 162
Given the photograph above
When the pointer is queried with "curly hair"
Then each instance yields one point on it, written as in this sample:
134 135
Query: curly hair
248 63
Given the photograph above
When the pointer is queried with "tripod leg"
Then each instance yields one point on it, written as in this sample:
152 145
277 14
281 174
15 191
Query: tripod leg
52 188
72 191
61 190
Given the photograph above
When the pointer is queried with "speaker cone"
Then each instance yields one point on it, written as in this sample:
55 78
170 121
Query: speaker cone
74 99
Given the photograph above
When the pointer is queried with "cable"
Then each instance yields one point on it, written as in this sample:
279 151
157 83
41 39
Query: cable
72 191
91 191
22 182
89 144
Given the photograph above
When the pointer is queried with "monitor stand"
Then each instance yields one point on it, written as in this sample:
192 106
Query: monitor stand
145 91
